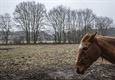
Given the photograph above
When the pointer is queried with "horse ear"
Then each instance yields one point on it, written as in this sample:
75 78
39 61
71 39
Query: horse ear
91 39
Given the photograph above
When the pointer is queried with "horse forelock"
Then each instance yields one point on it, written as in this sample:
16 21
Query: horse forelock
85 37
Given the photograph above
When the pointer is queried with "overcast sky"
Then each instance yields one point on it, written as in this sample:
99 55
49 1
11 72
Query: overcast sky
99 7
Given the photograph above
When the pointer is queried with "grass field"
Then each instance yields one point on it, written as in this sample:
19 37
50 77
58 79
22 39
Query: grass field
36 57
29 57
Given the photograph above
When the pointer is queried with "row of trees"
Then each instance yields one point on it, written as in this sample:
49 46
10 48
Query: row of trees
65 24
70 25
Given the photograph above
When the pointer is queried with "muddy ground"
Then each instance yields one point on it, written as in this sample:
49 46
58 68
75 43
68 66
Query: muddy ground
67 72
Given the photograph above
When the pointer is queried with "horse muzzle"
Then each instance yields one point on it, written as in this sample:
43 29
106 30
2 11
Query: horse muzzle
80 70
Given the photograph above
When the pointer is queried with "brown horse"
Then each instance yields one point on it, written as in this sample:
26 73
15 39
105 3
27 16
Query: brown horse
91 48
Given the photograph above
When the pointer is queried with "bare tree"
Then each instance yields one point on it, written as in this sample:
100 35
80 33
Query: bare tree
22 17
68 25
57 19
102 24
87 19
72 25
38 13
5 25
29 16
52 20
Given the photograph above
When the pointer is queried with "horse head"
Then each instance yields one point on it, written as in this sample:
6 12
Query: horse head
88 52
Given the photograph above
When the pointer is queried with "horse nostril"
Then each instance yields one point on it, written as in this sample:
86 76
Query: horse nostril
77 71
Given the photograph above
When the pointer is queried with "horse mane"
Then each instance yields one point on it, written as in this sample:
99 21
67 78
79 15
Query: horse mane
108 39
107 47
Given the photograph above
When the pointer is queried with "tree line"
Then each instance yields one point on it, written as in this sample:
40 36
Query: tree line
66 25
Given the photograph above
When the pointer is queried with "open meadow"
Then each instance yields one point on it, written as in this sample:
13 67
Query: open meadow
36 56
32 62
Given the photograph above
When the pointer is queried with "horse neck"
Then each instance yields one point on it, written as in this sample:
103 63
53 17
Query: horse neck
110 40
107 50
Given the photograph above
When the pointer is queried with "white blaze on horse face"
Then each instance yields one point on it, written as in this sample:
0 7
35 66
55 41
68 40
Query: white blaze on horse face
80 46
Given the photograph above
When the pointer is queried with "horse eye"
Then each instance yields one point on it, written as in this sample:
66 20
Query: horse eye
85 48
